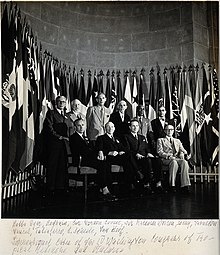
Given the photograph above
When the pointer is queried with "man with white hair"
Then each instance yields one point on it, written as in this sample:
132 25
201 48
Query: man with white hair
74 114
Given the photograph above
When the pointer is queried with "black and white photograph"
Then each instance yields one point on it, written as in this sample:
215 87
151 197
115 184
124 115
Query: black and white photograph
110 117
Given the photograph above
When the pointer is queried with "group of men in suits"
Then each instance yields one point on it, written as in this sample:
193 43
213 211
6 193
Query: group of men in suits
139 145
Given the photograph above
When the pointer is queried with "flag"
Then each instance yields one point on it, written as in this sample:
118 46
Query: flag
89 90
184 134
108 90
160 95
141 95
188 114
82 93
134 95
9 89
152 98
100 82
95 90
73 87
214 136
113 90
175 81
119 88
167 97
127 95
206 129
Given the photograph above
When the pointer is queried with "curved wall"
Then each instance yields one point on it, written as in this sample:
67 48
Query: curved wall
114 35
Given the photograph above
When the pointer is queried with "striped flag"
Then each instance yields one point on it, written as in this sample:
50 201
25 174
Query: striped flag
152 98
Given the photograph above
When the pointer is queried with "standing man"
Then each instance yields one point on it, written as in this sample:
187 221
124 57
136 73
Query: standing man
84 154
56 133
74 114
172 154
110 148
144 123
97 117
120 119
157 126
146 163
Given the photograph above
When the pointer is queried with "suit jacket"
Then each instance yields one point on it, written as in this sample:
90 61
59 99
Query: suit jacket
95 126
145 126
136 145
55 125
81 148
72 117
165 148
157 128
121 127
106 144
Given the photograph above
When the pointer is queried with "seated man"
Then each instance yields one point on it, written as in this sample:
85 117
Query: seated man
172 154
145 160
80 147
112 149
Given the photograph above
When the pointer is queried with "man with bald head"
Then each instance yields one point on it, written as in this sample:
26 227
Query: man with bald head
56 135
110 148
74 114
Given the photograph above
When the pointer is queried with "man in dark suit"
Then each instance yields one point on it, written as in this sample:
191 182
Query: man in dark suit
56 135
157 126
111 148
172 153
146 162
120 119
84 154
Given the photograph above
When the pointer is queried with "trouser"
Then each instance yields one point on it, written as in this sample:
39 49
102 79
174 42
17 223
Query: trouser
126 161
174 165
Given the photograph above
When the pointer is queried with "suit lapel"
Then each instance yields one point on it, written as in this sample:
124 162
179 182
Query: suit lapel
96 111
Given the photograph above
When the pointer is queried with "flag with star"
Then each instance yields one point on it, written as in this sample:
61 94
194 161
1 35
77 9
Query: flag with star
134 95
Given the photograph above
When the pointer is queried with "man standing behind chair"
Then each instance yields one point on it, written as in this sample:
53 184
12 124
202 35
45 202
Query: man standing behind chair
97 117
157 126
120 119
56 135
144 123
111 148
75 114
82 149
145 160
172 154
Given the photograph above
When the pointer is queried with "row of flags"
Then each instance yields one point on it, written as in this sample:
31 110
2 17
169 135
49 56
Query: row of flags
190 97
32 79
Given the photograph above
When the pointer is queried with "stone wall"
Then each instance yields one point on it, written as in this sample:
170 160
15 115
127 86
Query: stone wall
122 35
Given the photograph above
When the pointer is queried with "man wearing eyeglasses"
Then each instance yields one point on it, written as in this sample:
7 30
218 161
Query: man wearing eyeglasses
56 137
173 154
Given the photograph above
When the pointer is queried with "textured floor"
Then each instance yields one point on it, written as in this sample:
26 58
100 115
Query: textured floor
202 203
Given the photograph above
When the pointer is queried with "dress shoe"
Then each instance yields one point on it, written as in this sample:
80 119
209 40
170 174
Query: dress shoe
185 190
109 197
172 189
